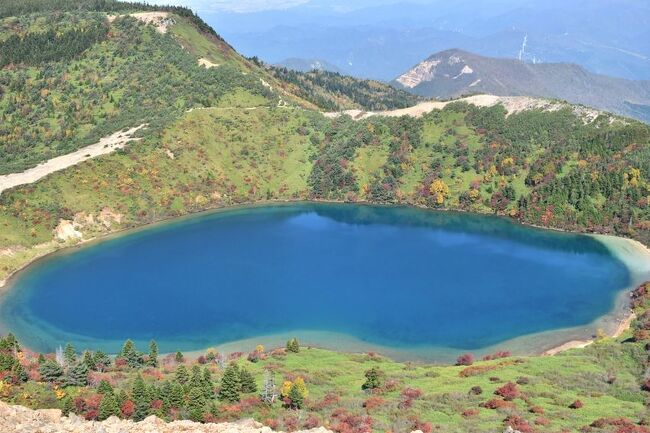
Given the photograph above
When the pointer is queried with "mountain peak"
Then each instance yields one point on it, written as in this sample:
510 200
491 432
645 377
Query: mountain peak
454 73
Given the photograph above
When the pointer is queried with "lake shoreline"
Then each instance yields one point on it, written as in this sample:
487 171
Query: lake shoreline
623 248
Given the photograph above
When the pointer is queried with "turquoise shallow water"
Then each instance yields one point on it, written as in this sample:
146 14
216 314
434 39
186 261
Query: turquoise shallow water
398 278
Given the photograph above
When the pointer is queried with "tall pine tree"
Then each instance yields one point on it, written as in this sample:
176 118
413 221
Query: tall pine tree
230 384
153 353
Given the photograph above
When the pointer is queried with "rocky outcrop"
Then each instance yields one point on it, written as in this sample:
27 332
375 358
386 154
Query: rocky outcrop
15 419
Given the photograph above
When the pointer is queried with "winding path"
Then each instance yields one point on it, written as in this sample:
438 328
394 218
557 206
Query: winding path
105 145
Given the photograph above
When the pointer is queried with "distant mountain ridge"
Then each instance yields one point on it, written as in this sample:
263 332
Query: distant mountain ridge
453 73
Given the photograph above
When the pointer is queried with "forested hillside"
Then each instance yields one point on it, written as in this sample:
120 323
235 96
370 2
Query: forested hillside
72 72
332 91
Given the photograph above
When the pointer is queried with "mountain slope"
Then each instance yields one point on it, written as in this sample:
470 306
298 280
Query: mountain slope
453 73
72 72
332 91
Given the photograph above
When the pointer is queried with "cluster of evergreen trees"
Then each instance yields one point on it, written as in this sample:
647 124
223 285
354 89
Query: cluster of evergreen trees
40 47
58 106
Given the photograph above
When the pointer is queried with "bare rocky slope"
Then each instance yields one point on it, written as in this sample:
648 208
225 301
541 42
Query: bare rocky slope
454 73
19 419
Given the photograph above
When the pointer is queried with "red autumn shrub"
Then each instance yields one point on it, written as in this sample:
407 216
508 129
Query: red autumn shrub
79 405
391 385
272 423
153 373
537 409
423 426
497 403
604 422
476 370
576 405
128 407
156 404
509 391
407 396
411 393
249 403
330 399
311 422
235 356
468 413
632 429
210 418
345 422
518 423
498 355
542 421
373 402
91 415
202 359
290 422
465 359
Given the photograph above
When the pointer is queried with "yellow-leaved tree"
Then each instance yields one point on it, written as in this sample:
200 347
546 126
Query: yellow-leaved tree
439 191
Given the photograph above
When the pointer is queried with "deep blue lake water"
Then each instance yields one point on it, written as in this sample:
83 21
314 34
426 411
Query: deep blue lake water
391 277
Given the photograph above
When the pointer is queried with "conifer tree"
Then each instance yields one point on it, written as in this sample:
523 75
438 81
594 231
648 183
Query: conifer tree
104 387
76 375
230 384
101 360
89 360
19 373
196 379
196 404
179 357
50 371
296 397
69 354
140 398
9 344
248 384
121 396
374 379
153 353
177 396
208 386
166 394
182 376
67 405
293 345
108 407
130 353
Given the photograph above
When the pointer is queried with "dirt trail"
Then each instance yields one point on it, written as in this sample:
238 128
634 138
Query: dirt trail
512 104
105 145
